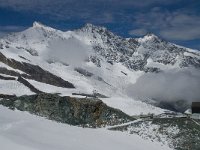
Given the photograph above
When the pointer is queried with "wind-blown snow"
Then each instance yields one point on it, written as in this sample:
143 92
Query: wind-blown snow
22 131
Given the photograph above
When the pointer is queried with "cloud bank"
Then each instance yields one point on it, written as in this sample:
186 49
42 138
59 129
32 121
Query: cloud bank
4 30
170 86
138 32
180 24
71 51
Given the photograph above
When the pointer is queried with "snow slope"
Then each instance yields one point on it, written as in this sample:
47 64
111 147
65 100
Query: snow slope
13 87
22 131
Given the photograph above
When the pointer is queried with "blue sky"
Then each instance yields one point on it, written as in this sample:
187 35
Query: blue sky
177 21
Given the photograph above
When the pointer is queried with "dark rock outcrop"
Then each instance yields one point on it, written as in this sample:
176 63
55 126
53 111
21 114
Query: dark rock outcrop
35 72
6 78
4 70
84 72
6 96
73 111
27 84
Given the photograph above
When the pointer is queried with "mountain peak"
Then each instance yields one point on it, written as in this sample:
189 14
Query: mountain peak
38 24
97 31
150 35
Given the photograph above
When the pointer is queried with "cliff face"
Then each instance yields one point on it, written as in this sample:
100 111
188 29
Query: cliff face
73 111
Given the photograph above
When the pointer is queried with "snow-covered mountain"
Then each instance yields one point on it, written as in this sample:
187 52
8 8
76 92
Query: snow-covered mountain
90 60
51 73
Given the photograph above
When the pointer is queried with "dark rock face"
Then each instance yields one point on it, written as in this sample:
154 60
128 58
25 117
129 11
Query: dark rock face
84 72
134 53
73 111
152 69
27 84
34 72
190 61
7 96
6 78
8 72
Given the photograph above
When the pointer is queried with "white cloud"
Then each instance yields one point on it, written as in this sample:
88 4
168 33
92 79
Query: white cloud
4 30
11 28
92 9
182 27
168 86
138 32
71 51
181 33
175 25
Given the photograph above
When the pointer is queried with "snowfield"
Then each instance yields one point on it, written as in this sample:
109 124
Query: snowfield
23 131
13 87
132 107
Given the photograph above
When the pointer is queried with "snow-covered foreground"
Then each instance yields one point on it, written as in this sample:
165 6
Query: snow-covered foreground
23 131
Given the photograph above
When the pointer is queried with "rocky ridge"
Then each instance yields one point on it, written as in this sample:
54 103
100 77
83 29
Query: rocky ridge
85 112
